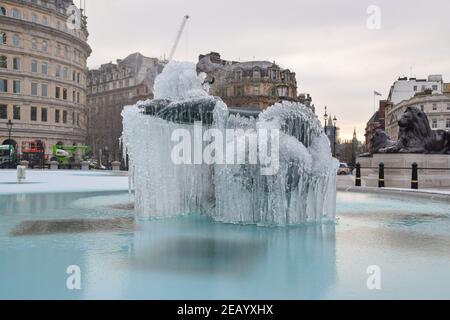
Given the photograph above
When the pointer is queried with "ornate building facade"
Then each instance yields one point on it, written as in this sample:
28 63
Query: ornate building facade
42 73
253 84
435 105
110 88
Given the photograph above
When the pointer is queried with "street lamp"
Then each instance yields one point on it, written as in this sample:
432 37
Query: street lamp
334 135
325 116
10 125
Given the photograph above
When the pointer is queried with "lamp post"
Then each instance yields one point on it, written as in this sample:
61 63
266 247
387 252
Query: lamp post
334 135
10 125
325 116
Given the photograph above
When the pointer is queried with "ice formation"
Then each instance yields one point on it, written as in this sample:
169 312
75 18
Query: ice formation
302 189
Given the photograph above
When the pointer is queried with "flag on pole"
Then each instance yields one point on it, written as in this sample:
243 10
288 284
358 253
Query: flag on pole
377 93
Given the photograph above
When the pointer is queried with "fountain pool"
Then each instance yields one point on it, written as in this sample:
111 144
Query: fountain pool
193 257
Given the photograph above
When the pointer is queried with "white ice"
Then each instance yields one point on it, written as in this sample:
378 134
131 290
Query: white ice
40 181
302 191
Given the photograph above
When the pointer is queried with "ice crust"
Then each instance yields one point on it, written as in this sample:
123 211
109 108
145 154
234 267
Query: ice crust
303 190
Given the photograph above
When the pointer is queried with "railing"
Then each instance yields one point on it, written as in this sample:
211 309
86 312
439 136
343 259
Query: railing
381 174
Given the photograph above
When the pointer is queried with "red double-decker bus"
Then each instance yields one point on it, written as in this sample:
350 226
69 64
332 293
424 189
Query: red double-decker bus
34 153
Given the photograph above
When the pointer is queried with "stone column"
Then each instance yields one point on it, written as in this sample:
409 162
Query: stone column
54 165
115 166
24 163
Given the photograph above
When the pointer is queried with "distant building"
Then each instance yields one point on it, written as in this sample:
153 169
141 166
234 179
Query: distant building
434 104
333 134
376 122
446 89
110 88
348 150
42 75
253 84
405 89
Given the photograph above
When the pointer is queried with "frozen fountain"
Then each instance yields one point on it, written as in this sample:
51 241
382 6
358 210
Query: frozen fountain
190 154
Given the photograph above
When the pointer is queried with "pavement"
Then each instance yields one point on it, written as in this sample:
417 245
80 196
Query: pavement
345 182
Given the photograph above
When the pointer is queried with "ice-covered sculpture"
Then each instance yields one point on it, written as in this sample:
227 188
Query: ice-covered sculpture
190 154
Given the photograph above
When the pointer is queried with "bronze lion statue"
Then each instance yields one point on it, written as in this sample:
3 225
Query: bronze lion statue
415 136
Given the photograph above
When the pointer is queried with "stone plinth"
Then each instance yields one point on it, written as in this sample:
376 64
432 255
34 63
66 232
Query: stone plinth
401 178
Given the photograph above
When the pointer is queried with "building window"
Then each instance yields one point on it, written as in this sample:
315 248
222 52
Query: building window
66 52
66 73
58 71
434 87
3 62
3 38
3 85
57 116
415 88
34 18
73 96
434 124
16 13
16 112
45 21
422 108
16 40
2 11
57 92
3 111
78 119
256 90
73 118
34 66
64 116
33 114
34 45
78 77
448 106
16 86
34 89
74 76
44 90
434 106
44 114
44 68
273 75
44 46
64 94
16 63
447 124
256 74
58 25
283 91
238 75
78 97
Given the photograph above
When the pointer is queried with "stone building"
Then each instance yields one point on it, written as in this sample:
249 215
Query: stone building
253 84
42 74
110 88
377 122
405 89
435 105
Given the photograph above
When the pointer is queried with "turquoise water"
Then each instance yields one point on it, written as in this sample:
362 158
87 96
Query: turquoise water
194 258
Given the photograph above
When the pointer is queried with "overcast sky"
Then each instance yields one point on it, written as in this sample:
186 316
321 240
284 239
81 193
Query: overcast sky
337 58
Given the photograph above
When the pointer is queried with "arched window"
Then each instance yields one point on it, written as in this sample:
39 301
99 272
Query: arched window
16 13
34 44
2 11
16 40
3 38
44 46
3 62
256 74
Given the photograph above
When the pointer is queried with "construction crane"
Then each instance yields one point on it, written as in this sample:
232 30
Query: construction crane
177 40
